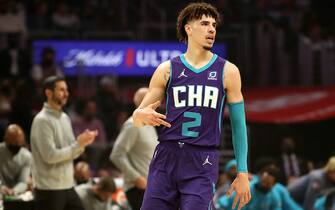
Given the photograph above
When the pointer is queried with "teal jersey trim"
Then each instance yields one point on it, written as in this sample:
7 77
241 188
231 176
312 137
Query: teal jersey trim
223 98
220 115
239 132
166 90
184 61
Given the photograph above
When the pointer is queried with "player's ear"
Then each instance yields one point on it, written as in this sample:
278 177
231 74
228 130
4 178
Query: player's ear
187 28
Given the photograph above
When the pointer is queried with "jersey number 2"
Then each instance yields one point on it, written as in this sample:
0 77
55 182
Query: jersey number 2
187 125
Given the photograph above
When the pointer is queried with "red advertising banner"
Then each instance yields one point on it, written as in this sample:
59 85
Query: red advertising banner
290 105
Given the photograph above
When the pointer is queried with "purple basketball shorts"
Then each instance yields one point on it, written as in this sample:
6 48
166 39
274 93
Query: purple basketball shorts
181 176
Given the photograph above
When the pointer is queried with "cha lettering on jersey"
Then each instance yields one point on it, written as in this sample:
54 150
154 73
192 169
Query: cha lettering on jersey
196 95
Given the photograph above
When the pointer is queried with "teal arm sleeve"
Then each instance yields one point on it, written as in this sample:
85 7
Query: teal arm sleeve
239 132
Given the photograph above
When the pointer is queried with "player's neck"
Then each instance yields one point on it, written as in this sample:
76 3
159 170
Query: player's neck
196 56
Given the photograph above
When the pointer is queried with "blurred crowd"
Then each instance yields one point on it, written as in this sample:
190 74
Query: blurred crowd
293 41
288 181
276 185
309 17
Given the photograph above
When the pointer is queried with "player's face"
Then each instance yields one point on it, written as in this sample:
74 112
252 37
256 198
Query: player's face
202 32
60 94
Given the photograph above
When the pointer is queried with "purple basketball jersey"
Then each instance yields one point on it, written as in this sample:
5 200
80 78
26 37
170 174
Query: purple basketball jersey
195 102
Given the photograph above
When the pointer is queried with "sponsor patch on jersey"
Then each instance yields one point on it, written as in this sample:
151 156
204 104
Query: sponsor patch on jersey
212 75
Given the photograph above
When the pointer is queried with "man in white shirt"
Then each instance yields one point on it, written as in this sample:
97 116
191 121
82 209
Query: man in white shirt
132 153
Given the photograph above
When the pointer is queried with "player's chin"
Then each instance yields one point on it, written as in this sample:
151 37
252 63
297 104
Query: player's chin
207 47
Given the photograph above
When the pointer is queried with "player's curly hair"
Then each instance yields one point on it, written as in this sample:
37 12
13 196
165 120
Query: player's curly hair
194 11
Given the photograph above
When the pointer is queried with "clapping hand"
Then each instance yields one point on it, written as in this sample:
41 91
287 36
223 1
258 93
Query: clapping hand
87 137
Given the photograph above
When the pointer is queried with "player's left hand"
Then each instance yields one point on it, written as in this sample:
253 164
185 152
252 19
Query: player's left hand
242 189
148 116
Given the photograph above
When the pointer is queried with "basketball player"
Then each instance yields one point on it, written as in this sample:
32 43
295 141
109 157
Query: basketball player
197 84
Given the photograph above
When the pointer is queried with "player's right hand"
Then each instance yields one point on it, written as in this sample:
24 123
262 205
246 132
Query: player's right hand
241 187
148 116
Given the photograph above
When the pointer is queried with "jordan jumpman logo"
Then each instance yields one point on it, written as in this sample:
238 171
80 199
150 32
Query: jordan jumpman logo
207 161
182 74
